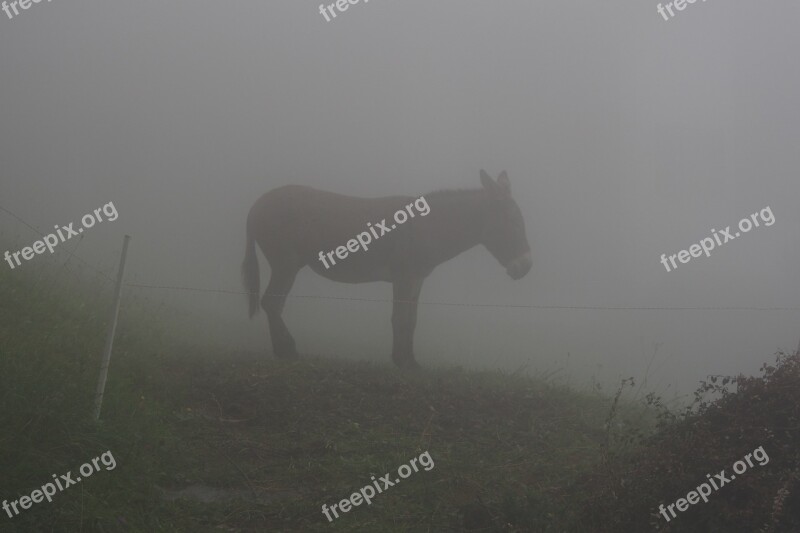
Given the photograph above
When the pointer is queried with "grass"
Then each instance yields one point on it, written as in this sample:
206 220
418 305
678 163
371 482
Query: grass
314 432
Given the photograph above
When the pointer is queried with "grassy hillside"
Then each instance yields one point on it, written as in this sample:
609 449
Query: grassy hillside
207 440
314 432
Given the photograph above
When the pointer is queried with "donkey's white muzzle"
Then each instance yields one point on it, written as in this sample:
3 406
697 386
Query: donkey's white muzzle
520 266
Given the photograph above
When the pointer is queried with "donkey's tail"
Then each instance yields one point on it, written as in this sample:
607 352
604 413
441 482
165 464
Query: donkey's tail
250 276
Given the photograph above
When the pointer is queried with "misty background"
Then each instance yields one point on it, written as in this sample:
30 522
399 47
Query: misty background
625 136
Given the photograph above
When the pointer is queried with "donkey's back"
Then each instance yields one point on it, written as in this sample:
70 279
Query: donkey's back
294 223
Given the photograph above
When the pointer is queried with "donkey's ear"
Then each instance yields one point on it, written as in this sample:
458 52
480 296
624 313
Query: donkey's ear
502 180
487 182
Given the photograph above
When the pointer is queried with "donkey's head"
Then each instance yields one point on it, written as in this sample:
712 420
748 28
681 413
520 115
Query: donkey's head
504 232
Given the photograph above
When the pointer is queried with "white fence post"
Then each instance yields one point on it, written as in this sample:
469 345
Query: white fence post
112 326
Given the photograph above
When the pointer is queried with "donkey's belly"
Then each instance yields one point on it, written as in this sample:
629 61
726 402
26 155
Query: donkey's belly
340 272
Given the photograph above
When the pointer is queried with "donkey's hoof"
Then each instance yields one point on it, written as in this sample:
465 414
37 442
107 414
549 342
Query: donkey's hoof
286 352
407 364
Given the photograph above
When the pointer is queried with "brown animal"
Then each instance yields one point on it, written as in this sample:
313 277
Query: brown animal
294 226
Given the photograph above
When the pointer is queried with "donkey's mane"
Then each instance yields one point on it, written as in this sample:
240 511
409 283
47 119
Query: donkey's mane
453 192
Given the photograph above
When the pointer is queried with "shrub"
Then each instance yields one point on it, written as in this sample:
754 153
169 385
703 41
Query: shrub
730 417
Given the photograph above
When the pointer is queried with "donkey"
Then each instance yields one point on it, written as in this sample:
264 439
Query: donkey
294 224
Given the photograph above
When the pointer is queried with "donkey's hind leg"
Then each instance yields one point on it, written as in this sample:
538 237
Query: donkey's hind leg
404 321
280 283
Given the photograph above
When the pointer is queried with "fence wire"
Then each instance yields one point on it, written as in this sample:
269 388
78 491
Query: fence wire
467 304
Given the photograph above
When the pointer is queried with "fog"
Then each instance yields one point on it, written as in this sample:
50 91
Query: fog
625 137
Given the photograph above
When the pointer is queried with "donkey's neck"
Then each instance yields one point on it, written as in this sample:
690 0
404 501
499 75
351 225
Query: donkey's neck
456 222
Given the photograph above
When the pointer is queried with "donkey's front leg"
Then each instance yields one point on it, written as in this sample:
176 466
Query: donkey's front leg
404 320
